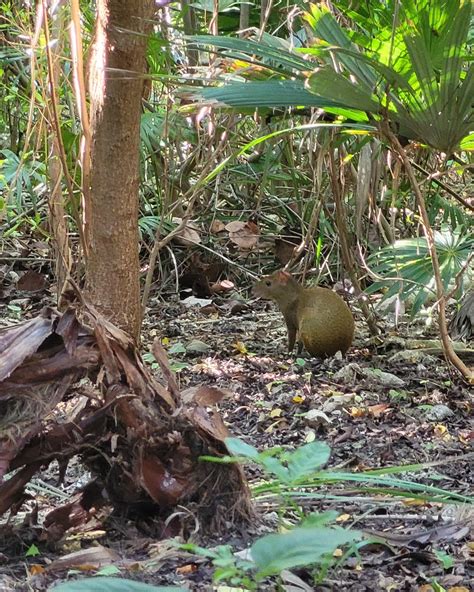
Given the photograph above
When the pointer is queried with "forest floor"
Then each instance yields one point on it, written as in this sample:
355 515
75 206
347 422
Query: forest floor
419 412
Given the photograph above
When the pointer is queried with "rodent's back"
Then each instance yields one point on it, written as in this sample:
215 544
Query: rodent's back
325 323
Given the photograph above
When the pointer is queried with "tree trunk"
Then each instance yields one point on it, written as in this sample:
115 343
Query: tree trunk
111 214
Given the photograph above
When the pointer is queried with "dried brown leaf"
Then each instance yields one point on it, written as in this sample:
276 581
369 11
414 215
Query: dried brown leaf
21 341
162 358
216 226
204 395
187 236
31 281
163 487
244 234
93 556
209 422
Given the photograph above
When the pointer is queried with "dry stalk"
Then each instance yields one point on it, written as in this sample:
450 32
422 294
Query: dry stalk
75 39
449 352
57 213
347 257
57 125
193 193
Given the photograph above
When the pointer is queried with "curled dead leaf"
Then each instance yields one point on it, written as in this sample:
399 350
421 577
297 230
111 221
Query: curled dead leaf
187 236
163 487
93 556
31 281
378 410
204 395
357 412
209 422
216 226
343 518
187 569
244 234
441 431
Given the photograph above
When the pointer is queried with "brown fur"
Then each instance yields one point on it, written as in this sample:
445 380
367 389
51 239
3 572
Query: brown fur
317 318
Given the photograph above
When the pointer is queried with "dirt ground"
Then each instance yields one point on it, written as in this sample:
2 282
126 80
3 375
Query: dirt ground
419 412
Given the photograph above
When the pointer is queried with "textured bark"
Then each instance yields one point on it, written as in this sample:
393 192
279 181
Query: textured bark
111 212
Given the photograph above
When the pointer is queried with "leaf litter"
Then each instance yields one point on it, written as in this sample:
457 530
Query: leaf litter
373 409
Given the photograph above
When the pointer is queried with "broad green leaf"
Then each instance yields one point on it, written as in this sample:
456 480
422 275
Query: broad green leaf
270 94
275 467
177 348
326 28
300 546
306 459
106 584
238 447
247 50
317 520
330 84
32 551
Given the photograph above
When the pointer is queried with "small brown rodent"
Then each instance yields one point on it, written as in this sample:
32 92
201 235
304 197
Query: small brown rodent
318 317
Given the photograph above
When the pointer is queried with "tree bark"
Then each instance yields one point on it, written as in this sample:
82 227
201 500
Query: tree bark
111 214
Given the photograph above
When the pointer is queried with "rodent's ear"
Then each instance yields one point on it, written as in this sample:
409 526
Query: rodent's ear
283 277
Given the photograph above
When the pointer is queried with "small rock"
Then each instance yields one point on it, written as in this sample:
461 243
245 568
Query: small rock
376 377
412 356
315 417
337 402
439 413
373 376
197 347
193 301
348 374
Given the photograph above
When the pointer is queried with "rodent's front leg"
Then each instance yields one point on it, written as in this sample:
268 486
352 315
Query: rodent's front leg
291 338
299 347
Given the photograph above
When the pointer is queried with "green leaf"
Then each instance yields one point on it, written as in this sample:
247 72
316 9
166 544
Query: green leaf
278 59
326 28
446 560
269 94
33 551
108 570
300 546
208 5
317 520
178 366
197 346
334 86
407 267
274 466
177 348
112 585
238 447
306 459
467 143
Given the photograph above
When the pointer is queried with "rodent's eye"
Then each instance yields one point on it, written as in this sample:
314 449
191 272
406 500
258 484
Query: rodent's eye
268 283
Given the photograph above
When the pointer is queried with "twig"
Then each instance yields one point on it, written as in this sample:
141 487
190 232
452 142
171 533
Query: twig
447 188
